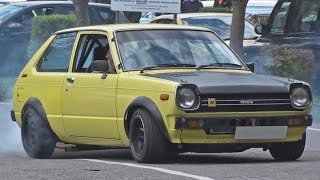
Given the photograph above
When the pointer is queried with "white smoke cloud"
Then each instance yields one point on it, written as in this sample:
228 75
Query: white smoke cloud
10 137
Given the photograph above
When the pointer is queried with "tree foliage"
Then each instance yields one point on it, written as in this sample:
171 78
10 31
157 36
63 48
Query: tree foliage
81 12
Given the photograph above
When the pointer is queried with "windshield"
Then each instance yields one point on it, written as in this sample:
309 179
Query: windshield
7 11
141 49
220 25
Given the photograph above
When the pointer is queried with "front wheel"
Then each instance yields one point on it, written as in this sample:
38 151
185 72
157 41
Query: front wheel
147 143
288 151
37 137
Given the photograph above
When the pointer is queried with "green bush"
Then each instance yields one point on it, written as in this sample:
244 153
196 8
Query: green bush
296 63
215 9
44 26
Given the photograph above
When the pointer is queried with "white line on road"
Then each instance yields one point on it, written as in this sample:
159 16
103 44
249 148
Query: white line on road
314 129
5 103
167 171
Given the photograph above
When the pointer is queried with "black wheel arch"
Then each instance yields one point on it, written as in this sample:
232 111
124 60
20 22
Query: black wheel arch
38 107
147 104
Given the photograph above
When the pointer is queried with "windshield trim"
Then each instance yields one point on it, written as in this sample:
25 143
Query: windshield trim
245 68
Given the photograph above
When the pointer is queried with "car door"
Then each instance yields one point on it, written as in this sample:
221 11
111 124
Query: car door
88 100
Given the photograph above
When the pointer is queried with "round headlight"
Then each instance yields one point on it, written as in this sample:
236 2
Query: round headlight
186 98
300 97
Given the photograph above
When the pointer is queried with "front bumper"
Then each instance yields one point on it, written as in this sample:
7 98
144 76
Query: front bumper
218 130
228 125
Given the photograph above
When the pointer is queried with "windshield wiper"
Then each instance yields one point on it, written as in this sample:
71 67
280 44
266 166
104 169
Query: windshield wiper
167 65
220 65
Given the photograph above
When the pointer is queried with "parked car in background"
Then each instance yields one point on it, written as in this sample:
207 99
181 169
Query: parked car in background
4 2
218 22
158 90
262 7
295 24
207 3
16 26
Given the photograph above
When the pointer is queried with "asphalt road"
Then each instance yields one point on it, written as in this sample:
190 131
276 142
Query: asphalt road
117 164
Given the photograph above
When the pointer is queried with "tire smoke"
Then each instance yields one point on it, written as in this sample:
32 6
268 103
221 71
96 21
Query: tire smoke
10 136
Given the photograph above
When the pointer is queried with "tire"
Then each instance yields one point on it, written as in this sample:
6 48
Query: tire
290 151
37 137
147 143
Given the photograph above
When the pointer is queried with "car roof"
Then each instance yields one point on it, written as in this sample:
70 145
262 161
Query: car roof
126 27
36 3
189 15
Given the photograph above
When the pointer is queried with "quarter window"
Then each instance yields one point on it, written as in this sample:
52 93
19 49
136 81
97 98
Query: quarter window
57 56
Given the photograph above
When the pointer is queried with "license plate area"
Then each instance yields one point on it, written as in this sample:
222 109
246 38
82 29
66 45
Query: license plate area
261 132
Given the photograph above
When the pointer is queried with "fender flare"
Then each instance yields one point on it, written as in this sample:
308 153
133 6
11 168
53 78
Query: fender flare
36 105
151 107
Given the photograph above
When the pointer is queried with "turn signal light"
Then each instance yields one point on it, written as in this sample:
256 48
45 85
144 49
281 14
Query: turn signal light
297 122
195 124
164 97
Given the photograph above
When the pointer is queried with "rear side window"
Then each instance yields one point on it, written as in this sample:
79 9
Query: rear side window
58 54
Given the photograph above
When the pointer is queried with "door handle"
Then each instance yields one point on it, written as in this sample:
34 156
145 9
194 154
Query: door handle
70 79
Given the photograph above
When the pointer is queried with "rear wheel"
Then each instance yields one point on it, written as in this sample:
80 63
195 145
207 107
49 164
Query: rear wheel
288 151
147 143
37 137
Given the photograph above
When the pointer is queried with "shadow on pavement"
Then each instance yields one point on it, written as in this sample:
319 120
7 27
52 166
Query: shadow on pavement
186 158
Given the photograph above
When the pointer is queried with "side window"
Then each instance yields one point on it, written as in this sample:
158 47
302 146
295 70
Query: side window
58 54
24 20
65 10
305 18
280 20
101 15
163 21
91 48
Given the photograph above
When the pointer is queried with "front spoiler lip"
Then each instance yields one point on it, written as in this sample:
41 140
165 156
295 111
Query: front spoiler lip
182 122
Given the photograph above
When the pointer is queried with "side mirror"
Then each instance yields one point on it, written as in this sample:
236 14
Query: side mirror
260 29
100 66
15 27
250 66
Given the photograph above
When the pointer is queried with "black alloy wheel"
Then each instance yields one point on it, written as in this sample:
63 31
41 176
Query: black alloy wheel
147 143
138 137
289 151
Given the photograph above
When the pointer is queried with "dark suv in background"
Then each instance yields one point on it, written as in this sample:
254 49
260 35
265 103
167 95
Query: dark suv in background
16 27
293 23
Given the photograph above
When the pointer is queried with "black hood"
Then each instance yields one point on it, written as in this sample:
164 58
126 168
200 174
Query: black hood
225 83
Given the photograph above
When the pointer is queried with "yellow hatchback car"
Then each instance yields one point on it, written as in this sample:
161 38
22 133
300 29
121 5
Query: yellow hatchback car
159 90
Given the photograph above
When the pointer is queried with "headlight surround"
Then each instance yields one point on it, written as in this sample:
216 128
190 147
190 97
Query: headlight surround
187 98
301 98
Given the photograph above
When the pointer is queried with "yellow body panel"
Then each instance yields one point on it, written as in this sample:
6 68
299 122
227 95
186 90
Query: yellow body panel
92 110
